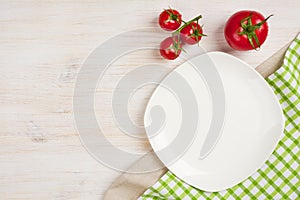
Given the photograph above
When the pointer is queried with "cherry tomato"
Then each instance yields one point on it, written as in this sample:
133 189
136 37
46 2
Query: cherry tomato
170 19
246 30
192 33
170 48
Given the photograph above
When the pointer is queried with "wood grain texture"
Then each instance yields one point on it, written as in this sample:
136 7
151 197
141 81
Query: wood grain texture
43 45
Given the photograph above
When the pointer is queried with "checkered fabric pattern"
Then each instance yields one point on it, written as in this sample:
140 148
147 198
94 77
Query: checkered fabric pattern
279 177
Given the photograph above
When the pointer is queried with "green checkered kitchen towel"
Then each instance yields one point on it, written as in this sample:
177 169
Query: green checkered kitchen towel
279 177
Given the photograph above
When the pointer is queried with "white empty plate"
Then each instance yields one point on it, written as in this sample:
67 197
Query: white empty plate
251 127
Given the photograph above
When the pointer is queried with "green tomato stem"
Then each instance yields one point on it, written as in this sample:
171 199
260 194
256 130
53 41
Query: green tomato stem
249 30
187 23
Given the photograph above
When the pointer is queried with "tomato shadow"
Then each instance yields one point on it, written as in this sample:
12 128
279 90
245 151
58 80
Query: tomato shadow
221 44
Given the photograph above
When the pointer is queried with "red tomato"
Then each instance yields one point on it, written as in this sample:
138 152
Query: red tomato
246 30
192 33
170 48
170 19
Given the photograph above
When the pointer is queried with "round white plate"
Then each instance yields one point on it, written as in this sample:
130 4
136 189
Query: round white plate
252 125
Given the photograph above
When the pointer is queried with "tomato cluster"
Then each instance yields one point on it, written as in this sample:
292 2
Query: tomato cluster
244 30
189 33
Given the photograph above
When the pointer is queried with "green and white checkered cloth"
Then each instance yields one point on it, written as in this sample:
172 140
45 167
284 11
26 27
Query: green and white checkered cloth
279 177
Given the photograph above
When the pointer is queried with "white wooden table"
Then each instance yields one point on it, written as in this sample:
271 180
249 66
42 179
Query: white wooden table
43 45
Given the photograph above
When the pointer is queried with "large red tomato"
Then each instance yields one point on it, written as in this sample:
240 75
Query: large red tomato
246 30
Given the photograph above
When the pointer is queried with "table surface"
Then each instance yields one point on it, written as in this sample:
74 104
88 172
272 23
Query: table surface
43 45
